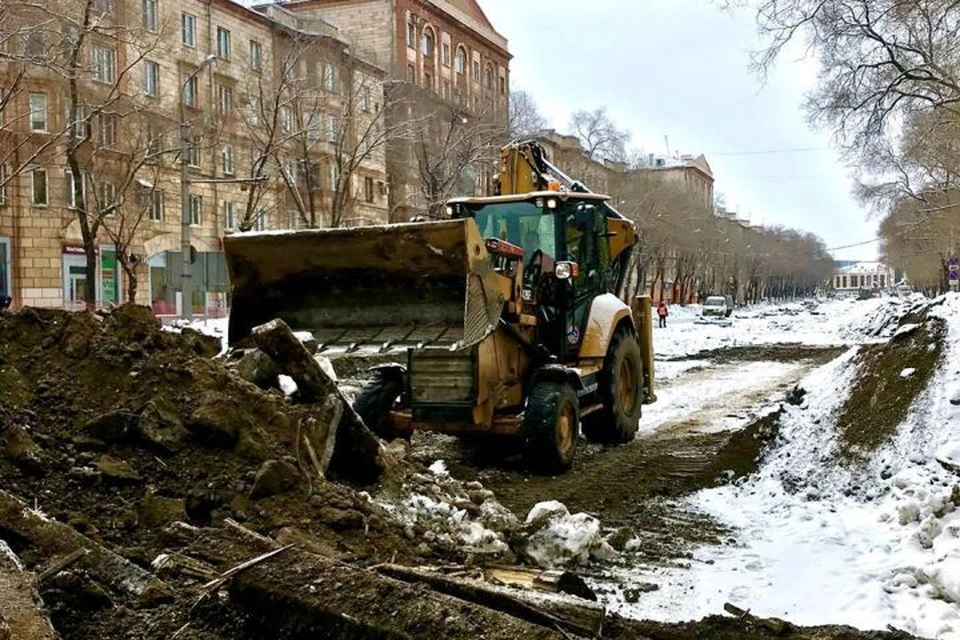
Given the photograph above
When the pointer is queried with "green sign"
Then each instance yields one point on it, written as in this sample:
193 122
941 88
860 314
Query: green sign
108 275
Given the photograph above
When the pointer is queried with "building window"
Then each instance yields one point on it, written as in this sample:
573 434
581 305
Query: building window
489 78
193 152
77 124
224 99
223 43
445 54
461 61
155 205
365 99
428 80
334 177
190 92
151 78
261 216
446 89
154 143
188 26
290 171
428 42
411 73
106 196
256 55
411 33
71 190
286 119
104 64
102 7
39 187
333 129
150 15
368 189
331 77
108 130
196 210
476 71
229 215
458 97
227 160
503 86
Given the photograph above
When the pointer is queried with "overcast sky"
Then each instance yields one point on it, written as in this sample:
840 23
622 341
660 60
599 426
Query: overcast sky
678 68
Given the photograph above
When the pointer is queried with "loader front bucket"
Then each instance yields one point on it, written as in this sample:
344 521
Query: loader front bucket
417 283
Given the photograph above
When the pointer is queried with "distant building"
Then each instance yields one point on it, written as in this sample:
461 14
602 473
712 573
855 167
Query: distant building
693 173
853 276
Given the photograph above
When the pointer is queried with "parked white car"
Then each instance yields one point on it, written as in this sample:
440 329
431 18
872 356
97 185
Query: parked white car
716 310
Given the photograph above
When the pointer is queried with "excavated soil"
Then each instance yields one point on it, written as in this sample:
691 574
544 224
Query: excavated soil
141 440
881 398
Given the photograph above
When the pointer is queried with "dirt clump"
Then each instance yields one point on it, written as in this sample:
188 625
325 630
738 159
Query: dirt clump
890 376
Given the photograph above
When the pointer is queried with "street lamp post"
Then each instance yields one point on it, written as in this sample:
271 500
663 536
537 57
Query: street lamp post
186 275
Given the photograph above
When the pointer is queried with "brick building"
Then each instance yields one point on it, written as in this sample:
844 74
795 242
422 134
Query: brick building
276 106
450 73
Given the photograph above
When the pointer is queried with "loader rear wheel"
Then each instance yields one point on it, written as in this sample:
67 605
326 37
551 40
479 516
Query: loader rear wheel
551 425
620 388
377 398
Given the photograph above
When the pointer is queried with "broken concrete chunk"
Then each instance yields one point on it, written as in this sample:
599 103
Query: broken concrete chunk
118 471
257 367
273 478
160 429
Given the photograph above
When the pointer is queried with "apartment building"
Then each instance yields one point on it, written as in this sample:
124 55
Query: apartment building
277 113
448 103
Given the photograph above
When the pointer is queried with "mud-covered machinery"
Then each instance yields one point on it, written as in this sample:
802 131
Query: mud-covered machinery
506 315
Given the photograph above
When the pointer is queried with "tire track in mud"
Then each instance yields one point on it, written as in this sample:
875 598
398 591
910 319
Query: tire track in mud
697 414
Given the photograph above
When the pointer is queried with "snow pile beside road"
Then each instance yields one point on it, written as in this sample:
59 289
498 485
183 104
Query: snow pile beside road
821 540
446 514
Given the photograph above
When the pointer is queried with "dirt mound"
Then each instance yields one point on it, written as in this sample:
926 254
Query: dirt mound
890 377
119 428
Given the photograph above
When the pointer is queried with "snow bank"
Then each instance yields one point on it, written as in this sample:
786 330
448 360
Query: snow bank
812 323
561 539
817 542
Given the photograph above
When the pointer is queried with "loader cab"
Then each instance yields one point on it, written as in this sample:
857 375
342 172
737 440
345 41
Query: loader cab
566 257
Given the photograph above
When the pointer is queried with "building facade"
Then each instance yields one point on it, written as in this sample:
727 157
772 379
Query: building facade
447 108
274 114
857 276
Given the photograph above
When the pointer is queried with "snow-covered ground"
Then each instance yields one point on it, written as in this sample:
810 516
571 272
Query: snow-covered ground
831 322
814 543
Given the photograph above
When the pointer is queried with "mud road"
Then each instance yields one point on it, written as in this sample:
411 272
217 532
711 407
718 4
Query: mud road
713 414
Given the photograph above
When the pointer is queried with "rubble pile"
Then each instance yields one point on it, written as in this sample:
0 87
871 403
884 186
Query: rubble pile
153 487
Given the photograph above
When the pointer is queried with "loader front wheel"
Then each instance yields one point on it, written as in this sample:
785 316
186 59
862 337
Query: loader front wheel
377 398
621 392
551 423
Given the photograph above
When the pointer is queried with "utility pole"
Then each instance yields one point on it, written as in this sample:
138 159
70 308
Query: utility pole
186 274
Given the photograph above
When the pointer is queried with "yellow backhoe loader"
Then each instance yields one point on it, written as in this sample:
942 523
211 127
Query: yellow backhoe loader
506 315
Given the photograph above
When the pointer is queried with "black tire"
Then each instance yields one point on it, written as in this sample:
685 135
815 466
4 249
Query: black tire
377 398
551 426
620 389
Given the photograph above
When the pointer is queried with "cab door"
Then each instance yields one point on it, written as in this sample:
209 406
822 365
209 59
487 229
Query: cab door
581 236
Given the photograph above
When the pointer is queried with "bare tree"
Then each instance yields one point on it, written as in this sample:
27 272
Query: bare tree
880 59
446 152
599 135
97 56
526 121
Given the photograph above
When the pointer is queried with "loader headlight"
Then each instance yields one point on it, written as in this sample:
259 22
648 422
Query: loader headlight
564 270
